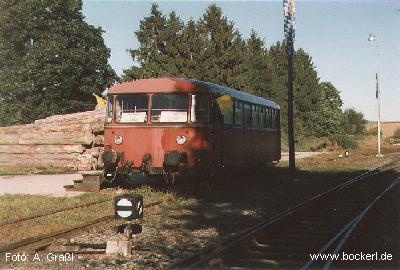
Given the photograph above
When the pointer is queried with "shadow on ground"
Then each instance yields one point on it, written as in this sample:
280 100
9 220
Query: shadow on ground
234 204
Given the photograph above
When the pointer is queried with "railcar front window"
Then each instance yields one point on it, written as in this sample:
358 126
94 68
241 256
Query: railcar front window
169 108
254 115
131 109
261 117
238 113
269 119
273 118
109 113
247 114
199 110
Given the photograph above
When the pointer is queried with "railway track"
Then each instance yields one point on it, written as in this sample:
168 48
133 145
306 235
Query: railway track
16 221
319 225
41 241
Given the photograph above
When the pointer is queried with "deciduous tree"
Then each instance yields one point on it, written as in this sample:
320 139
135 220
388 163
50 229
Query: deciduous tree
51 60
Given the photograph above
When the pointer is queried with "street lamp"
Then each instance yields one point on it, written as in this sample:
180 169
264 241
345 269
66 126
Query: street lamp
373 38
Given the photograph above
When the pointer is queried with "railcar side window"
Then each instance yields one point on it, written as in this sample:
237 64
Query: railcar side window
261 115
132 108
238 113
169 108
278 119
268 118
254 115
247 114
200 110
109 113
228 118
273 118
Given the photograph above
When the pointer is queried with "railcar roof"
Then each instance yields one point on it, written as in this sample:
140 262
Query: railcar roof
166 85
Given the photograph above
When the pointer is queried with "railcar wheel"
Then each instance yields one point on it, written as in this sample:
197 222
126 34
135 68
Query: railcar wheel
169 177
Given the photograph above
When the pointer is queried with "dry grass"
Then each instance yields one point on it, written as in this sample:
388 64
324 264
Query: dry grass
361 158
14 207
11 170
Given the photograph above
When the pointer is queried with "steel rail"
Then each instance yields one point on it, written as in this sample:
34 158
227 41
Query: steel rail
353 224
36 239
52 212
203 256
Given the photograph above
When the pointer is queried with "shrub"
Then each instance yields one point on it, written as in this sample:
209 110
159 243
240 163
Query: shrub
353 122
396 134
373 131
346 142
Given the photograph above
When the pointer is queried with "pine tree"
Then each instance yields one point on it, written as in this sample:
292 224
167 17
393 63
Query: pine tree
150 55
255 71
51 60
172 36
224 47
211 49
277 61
192 51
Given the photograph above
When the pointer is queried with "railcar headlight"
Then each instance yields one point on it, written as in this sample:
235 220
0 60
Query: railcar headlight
118 139
180 139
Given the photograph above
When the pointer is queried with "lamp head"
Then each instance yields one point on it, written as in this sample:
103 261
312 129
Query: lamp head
371 37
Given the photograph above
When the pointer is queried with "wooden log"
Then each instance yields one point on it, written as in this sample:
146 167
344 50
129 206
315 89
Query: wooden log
55 141
98 127
94 151
79 137
72 160
85 162
99 162
38 156
99 140
46 128
40 160
42 149
15 129
82 116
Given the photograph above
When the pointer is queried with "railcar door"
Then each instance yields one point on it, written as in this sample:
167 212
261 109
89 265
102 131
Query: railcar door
217 137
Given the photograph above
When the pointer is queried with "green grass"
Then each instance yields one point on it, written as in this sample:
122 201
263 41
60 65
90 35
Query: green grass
14 207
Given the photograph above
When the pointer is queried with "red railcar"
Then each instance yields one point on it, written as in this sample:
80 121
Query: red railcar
170 126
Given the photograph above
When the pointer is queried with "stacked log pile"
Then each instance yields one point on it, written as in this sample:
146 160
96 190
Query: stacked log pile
72 141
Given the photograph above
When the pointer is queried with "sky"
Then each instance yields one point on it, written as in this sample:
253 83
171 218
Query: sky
333 33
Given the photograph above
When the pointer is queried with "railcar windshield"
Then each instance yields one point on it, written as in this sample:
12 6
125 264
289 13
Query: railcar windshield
131 108
200 109
170 108
109 111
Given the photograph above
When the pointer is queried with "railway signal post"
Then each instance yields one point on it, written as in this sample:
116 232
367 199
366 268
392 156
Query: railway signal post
289 30
129 207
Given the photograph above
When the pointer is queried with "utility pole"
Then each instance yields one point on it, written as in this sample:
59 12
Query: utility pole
289 31
373 38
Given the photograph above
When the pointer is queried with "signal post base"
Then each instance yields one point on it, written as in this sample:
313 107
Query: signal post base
122 247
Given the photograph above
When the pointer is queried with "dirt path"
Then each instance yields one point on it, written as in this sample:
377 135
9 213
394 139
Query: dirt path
50 185
299 155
